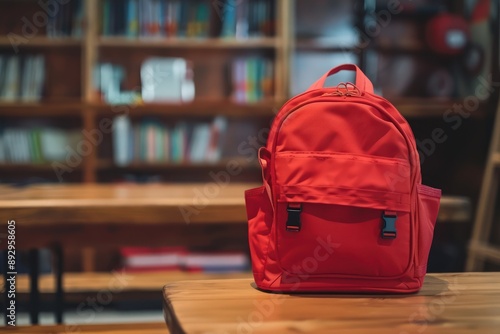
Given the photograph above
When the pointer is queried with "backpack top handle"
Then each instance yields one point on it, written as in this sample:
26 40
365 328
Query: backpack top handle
362 81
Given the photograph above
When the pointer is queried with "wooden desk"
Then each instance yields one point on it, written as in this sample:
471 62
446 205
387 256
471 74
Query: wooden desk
110 215
202 215
60 216
447 303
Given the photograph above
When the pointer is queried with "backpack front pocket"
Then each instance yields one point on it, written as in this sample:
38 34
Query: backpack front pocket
351 220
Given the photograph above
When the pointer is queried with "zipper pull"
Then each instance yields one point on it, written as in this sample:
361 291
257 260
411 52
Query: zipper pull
345 89
334 93
353 91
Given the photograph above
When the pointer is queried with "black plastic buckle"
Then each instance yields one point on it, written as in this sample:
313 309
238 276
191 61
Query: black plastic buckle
293 222
389 227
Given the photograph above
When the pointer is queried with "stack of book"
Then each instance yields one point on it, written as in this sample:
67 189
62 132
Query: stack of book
21 78
144 259
66 20
36 145
152 141
252 79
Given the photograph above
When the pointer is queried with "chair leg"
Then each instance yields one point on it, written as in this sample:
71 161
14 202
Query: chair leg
34 293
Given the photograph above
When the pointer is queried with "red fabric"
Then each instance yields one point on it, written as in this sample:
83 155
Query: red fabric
339 162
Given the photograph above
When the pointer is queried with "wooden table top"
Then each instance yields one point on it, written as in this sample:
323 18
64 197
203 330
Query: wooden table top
447 303
147 203
119 203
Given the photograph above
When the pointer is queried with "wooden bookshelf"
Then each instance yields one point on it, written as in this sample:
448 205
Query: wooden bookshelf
70 94
40 109
26 167
44 42
203 108
166 167
70 62
75 59
326 46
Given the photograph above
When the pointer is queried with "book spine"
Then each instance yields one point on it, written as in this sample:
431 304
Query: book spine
132 19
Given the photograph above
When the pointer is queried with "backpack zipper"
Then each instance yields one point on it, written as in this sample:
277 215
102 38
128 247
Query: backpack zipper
345 89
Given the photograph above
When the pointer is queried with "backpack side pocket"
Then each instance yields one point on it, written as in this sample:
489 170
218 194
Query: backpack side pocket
260 218
428 208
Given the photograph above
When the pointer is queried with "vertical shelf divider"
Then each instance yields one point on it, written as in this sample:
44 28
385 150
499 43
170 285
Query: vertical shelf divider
89 57
284 25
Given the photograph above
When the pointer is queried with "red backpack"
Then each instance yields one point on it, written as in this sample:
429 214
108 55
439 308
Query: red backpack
342 208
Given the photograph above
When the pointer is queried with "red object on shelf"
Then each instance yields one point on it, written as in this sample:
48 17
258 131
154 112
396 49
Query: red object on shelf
447 34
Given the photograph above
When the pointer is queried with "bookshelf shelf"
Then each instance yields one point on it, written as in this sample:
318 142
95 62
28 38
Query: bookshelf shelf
107 165
202 108
28 168
45 42
179 43
40 109
424 108
312 44
412 49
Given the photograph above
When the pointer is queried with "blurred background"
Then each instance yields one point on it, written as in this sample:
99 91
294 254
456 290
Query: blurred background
145 91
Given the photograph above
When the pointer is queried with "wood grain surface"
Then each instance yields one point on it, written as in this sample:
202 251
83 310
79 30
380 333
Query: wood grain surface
119 203
133 328
447 303
151 204
203 215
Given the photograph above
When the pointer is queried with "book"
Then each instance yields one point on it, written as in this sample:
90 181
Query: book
11 86
78 19
24 145
132 18
217 136
2 149
106 13
152 258
229 19
199 143
38 78
181 259
3 70
53 142
121 137
252 79
179 142
241 24
27 79
120 17
36 148
159 152
172 16
216 261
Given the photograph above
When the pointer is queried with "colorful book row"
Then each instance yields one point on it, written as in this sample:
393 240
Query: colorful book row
252 79
246 18
152 141
37 145
187 18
